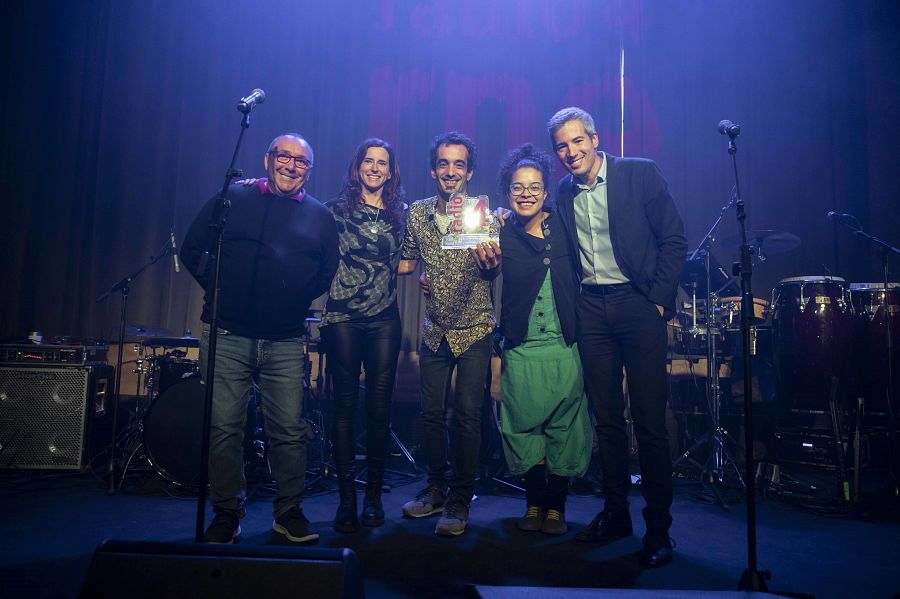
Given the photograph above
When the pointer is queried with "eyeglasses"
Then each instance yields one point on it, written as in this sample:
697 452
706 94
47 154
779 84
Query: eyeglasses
299 161
517 189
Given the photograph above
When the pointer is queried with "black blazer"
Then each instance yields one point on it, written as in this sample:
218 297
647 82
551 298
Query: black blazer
646 231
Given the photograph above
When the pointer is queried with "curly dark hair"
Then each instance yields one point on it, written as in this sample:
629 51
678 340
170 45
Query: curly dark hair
392 196
526 155
453 138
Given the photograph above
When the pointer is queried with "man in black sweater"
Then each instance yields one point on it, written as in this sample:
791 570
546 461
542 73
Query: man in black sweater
279 253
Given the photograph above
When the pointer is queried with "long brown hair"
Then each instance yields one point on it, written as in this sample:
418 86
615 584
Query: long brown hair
393 194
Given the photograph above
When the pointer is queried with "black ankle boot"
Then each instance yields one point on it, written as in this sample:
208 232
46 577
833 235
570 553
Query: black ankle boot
345 519
373 512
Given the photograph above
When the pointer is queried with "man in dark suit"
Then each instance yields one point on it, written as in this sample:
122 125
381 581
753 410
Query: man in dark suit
629 247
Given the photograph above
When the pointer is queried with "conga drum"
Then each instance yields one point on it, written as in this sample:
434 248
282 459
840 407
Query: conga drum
870 355
812 326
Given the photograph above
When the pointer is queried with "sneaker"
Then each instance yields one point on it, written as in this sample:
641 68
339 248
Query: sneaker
531 521
430 500
223 529
294 525
554 523
454 519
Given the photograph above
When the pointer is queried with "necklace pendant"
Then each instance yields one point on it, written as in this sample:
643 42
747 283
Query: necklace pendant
373 229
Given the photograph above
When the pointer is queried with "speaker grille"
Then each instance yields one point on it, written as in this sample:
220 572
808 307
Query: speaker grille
43 417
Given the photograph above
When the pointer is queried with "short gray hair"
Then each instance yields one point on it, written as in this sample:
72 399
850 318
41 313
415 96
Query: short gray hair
572 113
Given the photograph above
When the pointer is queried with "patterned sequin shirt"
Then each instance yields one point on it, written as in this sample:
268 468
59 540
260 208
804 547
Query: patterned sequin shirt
459 305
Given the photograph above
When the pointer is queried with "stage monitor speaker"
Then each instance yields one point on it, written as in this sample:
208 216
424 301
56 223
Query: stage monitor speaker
494 592
53 418
138 569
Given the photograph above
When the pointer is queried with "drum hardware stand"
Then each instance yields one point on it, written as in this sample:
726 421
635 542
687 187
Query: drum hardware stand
887 250
719 458
406 476
210 265
254 443
323 390
491 473
123 286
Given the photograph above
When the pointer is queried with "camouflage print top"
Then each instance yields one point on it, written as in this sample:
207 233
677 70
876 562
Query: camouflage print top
459 305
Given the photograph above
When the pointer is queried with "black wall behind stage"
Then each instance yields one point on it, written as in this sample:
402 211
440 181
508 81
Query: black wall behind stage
118 120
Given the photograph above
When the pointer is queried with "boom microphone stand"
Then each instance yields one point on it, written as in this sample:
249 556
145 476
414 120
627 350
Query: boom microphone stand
211 259
752 579
124 287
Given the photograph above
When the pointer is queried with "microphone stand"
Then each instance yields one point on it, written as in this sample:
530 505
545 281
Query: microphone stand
752 579
211 258
123 286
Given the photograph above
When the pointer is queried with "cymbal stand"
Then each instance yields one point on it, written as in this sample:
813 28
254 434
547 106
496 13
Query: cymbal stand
719 459
123 286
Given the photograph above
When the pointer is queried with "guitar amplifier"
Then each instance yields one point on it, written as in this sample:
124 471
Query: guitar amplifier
54 418
53 355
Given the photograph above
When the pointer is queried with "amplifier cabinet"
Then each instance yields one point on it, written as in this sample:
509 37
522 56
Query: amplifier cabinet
54 418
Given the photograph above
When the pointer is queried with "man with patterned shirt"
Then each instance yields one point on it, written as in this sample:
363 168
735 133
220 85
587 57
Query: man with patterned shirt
459 322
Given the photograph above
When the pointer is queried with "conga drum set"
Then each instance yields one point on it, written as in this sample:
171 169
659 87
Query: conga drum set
829 341
826 341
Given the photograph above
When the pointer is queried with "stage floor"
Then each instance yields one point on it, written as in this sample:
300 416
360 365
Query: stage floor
53 523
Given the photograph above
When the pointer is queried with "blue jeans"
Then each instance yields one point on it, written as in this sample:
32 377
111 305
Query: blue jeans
277 366
435 369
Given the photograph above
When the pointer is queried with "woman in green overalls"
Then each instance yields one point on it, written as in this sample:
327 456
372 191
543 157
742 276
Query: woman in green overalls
543 408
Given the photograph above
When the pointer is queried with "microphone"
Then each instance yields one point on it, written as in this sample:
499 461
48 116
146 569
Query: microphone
728 128
256 97
174 250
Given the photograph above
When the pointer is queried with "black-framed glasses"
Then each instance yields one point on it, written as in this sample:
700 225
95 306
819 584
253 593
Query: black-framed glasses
517 189
284 158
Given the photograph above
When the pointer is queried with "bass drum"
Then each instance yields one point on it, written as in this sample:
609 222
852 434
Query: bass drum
172 432
812 327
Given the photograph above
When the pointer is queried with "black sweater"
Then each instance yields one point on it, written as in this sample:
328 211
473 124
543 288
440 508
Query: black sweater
278 255
524 271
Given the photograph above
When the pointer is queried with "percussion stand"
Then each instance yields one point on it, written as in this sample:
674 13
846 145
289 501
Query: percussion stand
123 287
887 250
326 470
719 457
404 451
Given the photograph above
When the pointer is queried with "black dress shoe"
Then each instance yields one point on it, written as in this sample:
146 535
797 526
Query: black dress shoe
605 529
656 552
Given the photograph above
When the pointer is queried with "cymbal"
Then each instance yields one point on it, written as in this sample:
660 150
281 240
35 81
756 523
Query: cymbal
172 342
143 330
767 241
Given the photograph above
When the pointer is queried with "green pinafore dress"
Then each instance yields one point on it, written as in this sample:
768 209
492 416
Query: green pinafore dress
543 407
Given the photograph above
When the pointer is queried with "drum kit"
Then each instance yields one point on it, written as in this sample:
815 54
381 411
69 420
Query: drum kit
169 404
166 428
825 339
